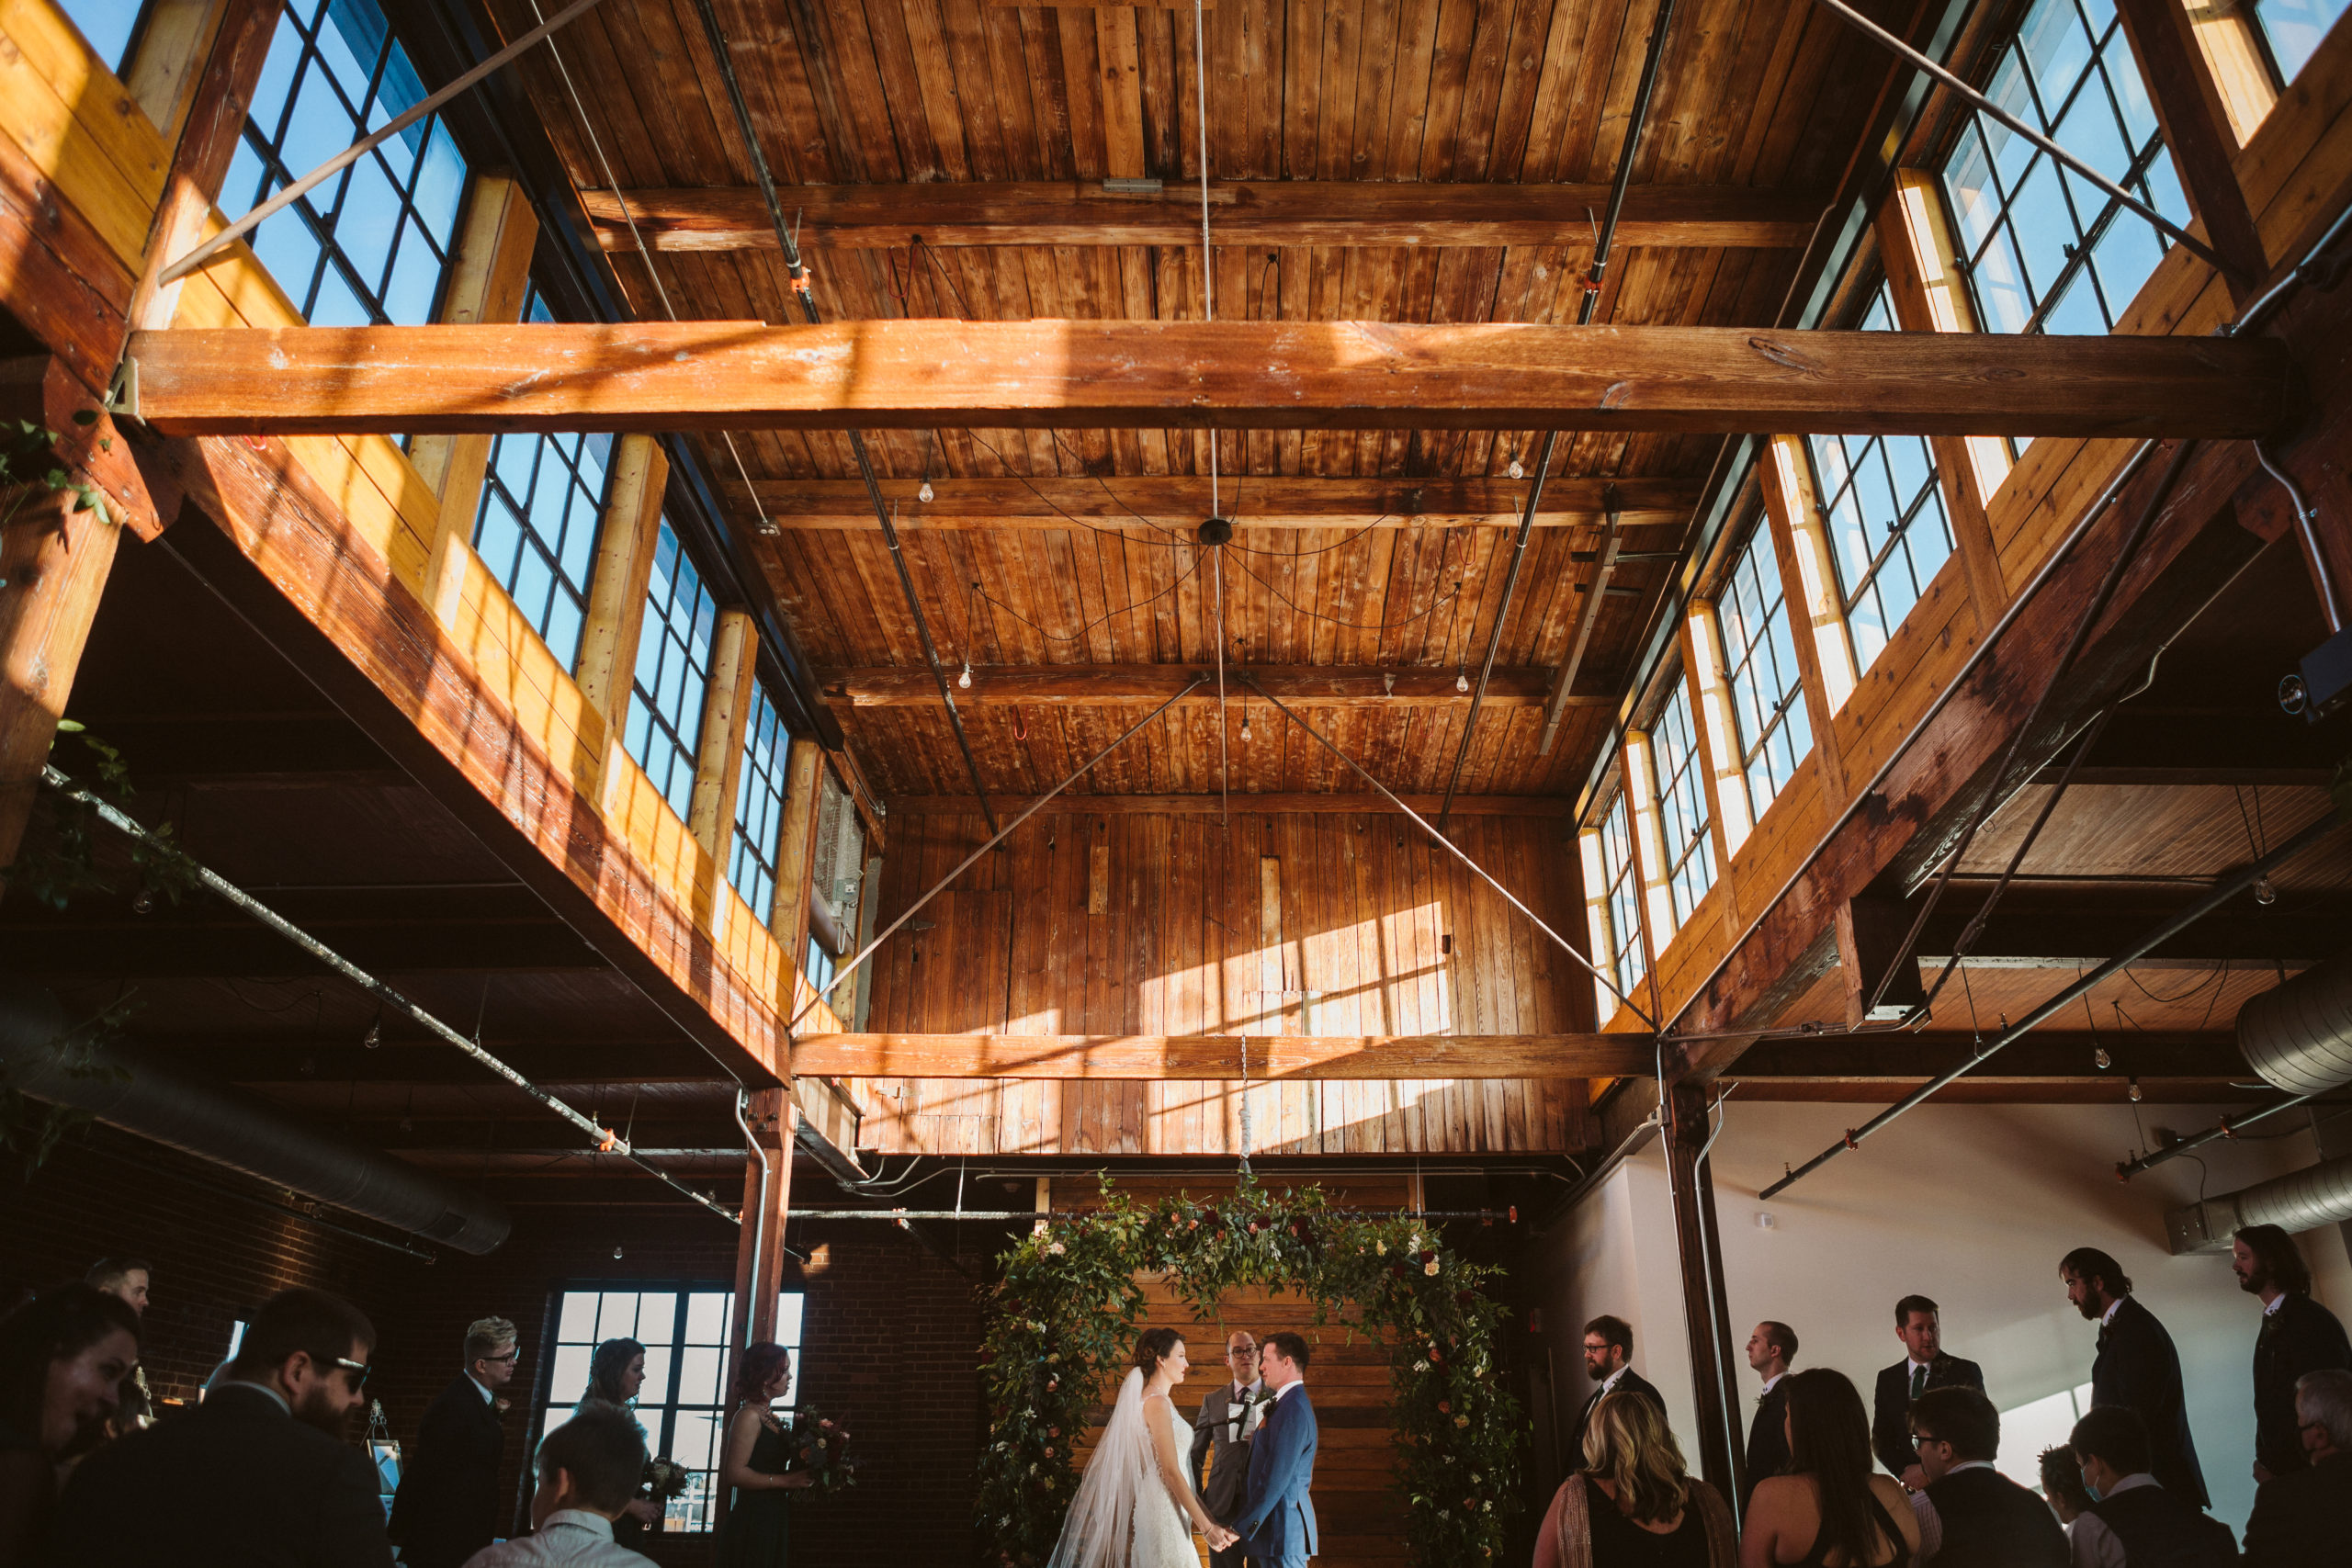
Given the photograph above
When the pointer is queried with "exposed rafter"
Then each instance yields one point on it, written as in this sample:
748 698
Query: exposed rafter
1221 1057
1091 686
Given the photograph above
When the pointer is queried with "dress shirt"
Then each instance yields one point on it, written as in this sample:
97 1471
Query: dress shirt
2270 1308
2114 1306
489 1395
1609 1383
1283 1392
1769 1385
2089 1544
1931 1523
261 1388
573 1537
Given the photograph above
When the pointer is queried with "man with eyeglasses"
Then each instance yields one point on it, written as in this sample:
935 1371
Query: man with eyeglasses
1230 1415
260 1472
447 1506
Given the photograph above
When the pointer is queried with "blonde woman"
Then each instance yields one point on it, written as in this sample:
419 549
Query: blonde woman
1634 1506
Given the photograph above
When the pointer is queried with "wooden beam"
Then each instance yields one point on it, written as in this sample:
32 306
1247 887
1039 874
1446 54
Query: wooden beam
488 278
2197 134
616 583
1345 803
1274 375
1088 685
1247 212
1219 1056
804 771
726 711
1179 501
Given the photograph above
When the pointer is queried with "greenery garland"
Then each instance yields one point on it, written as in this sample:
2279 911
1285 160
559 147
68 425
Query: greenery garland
1062 1320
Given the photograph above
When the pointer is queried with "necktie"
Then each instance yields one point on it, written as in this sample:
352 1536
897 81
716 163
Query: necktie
1918 1379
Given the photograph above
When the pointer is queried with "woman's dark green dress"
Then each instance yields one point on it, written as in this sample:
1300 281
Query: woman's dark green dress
759 1524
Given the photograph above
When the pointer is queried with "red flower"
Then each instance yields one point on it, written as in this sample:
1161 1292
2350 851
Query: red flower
1443 1408
1465 1297
1428 1256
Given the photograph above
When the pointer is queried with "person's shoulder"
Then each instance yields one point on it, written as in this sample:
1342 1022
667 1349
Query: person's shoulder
1890 1491
1967 1369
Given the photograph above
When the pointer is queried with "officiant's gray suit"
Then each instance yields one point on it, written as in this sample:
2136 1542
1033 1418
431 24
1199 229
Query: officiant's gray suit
1228 1490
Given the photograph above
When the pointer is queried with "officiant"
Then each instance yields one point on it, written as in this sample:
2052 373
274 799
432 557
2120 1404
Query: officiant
1230 1415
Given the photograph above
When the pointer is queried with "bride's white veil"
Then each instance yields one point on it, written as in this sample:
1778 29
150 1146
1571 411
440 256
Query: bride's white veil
1102 1521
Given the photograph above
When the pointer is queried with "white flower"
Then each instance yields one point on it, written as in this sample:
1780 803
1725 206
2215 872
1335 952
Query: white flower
1381 1247
1420 1366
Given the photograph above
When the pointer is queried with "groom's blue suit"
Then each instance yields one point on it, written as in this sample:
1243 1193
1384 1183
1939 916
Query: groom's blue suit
1277 1525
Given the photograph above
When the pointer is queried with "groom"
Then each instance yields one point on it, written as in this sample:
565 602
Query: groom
1277 1524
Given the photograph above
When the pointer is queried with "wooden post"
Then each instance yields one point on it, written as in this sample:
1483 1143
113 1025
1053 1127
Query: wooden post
803 774
2198 131
489 275
625 541
725 709
1702 643
1809 586
773 1119
1722 1459
54 562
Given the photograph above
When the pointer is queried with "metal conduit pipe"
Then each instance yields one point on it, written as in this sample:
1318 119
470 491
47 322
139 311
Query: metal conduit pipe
2303 1201
2298 1035
141 1092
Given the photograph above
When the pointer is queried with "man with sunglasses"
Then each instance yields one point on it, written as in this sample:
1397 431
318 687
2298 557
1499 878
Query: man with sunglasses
260 1472
447 1507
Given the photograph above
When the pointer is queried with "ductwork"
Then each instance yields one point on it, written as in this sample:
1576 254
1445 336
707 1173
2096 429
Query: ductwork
2304 1200
2298 1035
141 1092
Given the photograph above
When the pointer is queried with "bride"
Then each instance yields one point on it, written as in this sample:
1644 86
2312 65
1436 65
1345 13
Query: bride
1136 1507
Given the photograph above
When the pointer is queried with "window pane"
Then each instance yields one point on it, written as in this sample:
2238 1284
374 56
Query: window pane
570 1379
706 1315
672 673
1759 663
657 1320
759 806
2294 27
1682 806
1625 958
108 25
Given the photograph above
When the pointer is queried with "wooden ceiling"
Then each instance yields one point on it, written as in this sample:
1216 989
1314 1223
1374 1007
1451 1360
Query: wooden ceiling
990 122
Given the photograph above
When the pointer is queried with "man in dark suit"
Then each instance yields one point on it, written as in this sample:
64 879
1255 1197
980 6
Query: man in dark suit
1607 1357
1770 1350
1229 1418
1919 1324
258 1475
2136 1367
1277 1519
2306 1516
1974 1516
2134 1521
2298 1336
447 1506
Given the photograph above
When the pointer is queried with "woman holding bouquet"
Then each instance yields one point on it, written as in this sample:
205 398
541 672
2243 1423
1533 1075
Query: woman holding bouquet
616 1373
758 1531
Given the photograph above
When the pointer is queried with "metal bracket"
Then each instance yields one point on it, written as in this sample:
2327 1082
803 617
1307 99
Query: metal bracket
122 392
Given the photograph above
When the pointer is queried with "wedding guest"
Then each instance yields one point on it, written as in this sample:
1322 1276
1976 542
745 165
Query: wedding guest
260 1472
2136 1521
1829 1510
1607 1357
1770 1350
615 1374
1971 1516
63 1357
589 1469
2136 1367
1634 1505
2302 1516
758 1531
447 1508
1925 1365
2061 1486
2298 1336
126 1278
1229 1417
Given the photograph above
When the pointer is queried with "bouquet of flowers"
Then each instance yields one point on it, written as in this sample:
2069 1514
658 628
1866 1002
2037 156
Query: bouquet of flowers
664 1479
820 1451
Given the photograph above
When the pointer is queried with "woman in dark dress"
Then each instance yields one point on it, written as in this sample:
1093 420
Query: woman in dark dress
616 1373
1634 1506
758 1531
1829 1510
63 1362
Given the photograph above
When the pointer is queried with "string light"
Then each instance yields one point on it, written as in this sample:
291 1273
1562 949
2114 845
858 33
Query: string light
1461 682
1517 469
923 491
1245 724
965 680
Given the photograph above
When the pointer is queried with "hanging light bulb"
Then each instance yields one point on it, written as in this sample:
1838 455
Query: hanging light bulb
2265 893
923 492
1245 724
374 1035
1516 471
617 1252
965 680
1460 681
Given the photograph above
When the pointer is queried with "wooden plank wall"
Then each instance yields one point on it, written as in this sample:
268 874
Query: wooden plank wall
2295 170
1290 923
1358 1508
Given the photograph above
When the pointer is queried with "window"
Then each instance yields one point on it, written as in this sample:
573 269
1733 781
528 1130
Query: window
1760 665
683 1404
2029 1428
820 967
371 243
2291 29
673 670
1622 903
759 806
1889 533
535 530
2043 249
1682 806
109 26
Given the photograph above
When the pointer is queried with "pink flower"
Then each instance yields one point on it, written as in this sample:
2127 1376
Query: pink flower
827 1426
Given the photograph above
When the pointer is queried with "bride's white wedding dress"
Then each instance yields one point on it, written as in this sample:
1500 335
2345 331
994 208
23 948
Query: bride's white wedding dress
1123 1516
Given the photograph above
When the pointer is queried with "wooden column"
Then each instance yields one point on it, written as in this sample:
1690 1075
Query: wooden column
1703 642
725 709
625 541
2236 62
1923 273
772 1119
54 561
2198 131
1809 585
1714 1387
804 771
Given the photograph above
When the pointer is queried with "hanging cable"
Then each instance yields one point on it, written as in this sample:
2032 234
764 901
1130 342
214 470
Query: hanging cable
1208 288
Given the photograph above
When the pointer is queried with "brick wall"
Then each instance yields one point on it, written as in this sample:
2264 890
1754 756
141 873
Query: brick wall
889 1336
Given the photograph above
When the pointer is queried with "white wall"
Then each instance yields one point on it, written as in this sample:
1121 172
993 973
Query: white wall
1973 1205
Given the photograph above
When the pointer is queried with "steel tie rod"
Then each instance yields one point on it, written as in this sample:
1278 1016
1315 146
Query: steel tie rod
2221 893
847 970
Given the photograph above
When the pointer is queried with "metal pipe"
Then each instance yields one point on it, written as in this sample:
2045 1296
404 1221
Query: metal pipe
1555 706
2306 530
1984 105
2223 892
1423 824
275 204
754 1213
847 970
1000 1216
799 274
607 1140
2222 1128
1502 614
